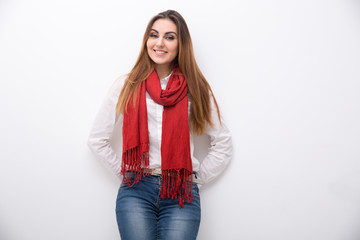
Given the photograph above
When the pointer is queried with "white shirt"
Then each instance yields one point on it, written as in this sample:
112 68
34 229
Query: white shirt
218 156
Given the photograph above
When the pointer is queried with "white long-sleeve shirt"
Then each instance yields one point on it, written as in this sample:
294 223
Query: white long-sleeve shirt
219 153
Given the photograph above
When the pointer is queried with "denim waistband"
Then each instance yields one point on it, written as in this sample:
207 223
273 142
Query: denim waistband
154 177
157 172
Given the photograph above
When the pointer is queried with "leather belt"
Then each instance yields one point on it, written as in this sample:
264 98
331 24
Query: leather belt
157 172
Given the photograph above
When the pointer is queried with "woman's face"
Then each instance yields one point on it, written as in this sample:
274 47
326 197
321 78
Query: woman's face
162 44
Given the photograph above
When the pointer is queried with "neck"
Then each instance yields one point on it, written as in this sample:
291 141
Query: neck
163 70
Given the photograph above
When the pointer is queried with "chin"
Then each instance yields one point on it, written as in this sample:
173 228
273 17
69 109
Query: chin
161 62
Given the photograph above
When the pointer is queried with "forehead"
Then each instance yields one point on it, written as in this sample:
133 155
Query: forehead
164 25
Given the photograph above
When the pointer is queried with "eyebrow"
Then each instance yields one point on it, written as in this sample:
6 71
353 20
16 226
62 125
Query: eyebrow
165 33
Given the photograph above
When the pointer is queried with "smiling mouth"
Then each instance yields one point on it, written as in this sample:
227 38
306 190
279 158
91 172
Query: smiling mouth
159 52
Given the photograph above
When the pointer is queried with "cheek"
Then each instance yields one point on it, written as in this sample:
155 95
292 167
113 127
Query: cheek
175 48
149 47
150 43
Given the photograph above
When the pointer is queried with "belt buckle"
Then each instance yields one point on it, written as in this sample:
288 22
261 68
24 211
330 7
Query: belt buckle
155 171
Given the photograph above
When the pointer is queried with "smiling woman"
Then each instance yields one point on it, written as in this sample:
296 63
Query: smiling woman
163 101
162 46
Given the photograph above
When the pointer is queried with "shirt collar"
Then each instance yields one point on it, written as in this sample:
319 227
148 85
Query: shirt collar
165 80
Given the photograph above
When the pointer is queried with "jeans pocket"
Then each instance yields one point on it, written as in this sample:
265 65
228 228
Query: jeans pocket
126 185
129 183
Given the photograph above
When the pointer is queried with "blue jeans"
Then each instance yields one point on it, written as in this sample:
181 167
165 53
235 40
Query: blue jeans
142 215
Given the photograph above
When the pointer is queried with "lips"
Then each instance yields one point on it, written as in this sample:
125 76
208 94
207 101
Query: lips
159 52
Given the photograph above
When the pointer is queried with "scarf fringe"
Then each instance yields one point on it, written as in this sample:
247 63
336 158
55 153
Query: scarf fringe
177 184
135 161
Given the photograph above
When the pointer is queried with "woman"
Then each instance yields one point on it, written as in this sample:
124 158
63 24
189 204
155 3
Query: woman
162 103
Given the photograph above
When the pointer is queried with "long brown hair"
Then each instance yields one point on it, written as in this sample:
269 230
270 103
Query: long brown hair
199 89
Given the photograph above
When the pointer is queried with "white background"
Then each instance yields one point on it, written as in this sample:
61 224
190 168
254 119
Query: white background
286 75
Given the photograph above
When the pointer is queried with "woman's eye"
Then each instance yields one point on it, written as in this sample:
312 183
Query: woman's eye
170 37
153 35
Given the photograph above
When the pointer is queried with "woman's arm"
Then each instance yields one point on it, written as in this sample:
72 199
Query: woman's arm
220 151
103 127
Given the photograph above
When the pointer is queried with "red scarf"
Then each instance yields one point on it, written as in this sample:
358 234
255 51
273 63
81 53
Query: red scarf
176 164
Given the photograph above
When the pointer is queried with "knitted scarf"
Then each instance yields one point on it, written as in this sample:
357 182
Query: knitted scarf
176 164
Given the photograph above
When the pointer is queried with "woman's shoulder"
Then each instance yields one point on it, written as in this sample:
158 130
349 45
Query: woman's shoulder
120 80
118 83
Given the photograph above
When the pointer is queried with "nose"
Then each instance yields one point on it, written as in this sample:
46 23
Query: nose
160 42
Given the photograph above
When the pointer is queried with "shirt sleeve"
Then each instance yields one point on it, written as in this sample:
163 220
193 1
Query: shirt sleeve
220 151
103 128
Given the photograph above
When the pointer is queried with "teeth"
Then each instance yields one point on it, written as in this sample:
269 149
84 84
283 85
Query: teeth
160 51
